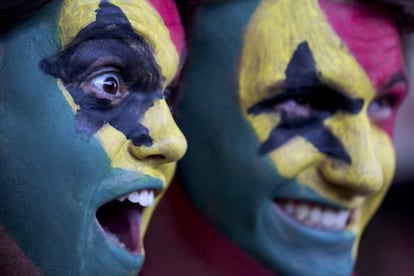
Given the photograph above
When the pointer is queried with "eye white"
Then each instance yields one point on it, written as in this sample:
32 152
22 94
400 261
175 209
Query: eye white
380 110
295 108
107 83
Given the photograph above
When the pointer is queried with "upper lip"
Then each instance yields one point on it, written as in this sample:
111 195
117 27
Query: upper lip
120 221
123 183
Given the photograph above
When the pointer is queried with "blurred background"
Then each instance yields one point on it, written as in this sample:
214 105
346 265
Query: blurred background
387 247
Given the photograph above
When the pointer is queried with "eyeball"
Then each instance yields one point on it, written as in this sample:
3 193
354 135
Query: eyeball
295 107
107 83
381 109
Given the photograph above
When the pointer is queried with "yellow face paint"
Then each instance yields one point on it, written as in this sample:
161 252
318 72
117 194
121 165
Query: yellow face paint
270 42
145 20
168 144
168 140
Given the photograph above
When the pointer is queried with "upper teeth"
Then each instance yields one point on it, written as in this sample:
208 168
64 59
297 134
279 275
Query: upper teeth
316 216
145 197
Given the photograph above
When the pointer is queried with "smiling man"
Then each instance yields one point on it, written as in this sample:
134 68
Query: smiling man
88 143
289 111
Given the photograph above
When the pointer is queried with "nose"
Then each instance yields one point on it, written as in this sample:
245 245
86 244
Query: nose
168 142
364 175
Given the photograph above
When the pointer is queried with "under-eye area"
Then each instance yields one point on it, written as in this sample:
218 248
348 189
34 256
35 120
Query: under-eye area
389 98
303 111
115 85
120 219
111 74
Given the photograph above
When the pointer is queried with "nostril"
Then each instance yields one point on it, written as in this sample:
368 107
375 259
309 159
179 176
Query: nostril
157 157
144 153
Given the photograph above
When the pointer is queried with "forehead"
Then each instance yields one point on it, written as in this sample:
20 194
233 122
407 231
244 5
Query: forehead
278 27
144 19
370 34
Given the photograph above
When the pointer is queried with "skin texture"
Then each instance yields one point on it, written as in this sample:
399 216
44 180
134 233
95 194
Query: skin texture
84 120
305 110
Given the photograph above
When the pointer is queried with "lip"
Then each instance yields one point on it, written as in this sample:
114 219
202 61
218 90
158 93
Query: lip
310 201
118 184
315 216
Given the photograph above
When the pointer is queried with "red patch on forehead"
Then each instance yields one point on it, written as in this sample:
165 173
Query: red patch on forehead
373 38
371 35
169 13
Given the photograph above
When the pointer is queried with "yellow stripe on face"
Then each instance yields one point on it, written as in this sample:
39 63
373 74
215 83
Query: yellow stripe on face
145 20
274 32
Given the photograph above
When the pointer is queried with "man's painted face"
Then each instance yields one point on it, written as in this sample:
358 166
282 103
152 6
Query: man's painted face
88 142
302 155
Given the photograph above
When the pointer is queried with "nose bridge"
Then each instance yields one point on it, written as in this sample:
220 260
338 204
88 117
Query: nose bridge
364 174
168 142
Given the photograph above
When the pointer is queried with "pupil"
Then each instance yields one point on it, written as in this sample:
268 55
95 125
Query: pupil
110 85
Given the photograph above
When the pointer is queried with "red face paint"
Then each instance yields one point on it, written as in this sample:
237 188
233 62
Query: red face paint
373 38
169 13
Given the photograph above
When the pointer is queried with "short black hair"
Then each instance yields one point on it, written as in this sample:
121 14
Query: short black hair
13 12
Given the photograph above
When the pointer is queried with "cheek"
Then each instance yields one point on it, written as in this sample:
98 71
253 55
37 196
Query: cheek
295 156
388 125
263 124
168 170
385 153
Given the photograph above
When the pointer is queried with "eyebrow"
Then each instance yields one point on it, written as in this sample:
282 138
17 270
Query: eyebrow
303 80
323 96
397 78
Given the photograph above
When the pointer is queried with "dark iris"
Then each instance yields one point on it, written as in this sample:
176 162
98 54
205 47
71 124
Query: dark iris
110 85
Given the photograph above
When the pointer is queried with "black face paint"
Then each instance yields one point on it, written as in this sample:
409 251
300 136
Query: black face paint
109 47
303 86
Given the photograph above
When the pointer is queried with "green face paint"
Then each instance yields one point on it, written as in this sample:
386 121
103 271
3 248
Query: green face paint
62 176
260 135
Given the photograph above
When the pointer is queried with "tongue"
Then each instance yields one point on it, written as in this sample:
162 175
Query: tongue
134 219
122 220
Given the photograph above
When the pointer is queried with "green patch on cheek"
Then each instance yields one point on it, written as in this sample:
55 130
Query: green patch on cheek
48 172
222 173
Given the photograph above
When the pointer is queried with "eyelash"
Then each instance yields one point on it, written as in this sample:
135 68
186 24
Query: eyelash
296 107
108 83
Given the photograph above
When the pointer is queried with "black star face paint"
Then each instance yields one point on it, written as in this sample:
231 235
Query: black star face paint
310 83
111 75
303 87
86 81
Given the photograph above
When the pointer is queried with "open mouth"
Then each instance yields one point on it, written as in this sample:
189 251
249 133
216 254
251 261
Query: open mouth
120 219
315 215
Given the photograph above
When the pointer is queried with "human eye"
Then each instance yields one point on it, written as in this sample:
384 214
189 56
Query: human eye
106 83
382 108
299 107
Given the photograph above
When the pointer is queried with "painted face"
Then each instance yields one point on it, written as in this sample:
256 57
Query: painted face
299 153
88 143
